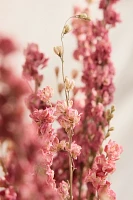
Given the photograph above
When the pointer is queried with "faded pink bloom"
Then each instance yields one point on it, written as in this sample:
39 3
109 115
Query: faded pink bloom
63 190
98 109
113 150
34 60
43 116
75 150
61 107
6 46
105 3
57 146
45 94
111 17
50 177
103 166
73 116
10 193
105 193
69 119
94 179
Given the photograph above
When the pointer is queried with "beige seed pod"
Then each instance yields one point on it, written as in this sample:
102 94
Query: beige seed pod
69 84
57 71
112 109
83 16
74 73
66 29
60 88
58 50
90 1
111 129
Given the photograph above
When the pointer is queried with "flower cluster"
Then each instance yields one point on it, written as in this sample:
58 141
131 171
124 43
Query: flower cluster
40 161
94 52
26 159
34 60
104 165
45 94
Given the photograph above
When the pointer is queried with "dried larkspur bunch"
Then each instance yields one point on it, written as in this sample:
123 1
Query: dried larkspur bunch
74 161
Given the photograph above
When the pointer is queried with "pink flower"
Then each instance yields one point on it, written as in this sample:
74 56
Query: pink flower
105 193
104 3
73 116
103 166
64 190
57 146
75 150
113 150
35 57
43 116
50 178
10 193
97 110
69 119
6 46
111 17
94 179
45 94
34 60
61 107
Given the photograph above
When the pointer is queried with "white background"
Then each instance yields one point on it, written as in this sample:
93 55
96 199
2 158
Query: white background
41 21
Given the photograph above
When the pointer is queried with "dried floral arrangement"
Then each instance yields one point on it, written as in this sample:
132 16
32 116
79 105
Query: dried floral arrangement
40 162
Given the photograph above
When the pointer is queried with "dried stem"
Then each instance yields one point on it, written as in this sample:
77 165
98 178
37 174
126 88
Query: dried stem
70 168
67 100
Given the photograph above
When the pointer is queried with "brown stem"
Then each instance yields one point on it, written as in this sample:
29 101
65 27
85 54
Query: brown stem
80 181
70 168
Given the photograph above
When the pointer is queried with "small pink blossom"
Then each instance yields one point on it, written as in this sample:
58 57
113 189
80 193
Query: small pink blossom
94 179
57 146
75 150
45 94
7 46
34 60
113 150
111 17
61 107
43 116
10 193
64 190
98 109
103 166
105 193
69 119
50 178
73 116
104 3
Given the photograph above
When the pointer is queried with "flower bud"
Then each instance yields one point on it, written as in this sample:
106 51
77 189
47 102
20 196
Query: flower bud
112 109
111 129
69 84
74 73
57 71
66 29
90 1
60 87
58 51
83 16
